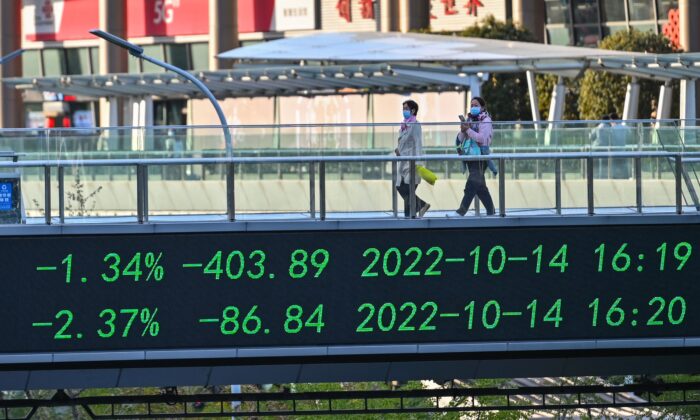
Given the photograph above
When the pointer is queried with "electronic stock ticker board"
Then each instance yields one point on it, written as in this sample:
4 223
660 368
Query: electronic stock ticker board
356 287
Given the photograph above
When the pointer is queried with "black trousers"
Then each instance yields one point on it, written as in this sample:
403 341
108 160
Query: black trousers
405 192
476 186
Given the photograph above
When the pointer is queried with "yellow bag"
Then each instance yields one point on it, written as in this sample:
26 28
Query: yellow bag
426 174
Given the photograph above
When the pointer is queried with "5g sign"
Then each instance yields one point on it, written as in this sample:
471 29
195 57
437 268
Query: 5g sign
164 11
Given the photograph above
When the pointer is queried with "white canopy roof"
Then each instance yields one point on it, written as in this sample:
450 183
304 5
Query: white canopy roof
411 47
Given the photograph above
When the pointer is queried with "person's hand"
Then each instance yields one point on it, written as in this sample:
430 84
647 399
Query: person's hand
464 127
397 152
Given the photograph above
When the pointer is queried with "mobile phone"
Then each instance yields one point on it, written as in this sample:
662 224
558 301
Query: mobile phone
461 118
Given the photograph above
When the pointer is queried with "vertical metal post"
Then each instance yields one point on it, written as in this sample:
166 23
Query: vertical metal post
412 188
322 188
139 193
394 198
679 184
230 192
589 185
638 182
47 194
144 189
502 186
61 204
557 185
312 189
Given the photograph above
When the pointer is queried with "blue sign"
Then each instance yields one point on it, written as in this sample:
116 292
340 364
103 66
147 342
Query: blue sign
5 196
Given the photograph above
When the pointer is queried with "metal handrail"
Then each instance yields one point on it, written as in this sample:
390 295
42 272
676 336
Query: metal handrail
316 159
568 123
143 164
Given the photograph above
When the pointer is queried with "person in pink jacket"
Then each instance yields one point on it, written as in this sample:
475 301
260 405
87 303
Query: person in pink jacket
478 127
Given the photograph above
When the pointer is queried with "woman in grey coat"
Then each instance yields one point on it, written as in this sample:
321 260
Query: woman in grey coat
410 144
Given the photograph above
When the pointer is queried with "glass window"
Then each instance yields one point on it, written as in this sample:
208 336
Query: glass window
200 55
176 54
613 10
641 9
557 11
611 29
95 60
665 6
586 36
78 61
559 36
134 64
647 27
155 51
586 11
31 63
54 62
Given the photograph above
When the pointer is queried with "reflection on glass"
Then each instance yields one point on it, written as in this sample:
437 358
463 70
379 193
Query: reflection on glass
611 29
645 28
665 6
586 11
557 11
559 36
613 10
641 9
587 36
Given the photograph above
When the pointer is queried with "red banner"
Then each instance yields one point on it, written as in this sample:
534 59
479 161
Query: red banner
255 15
166 17
59 20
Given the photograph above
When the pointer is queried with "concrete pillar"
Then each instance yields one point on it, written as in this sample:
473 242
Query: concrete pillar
534 99
11 105
223 29
530 15
688 18
413 14
556 106
387 15
112 59
631 109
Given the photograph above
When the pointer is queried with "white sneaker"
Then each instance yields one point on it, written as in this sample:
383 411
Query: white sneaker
454 214
423 210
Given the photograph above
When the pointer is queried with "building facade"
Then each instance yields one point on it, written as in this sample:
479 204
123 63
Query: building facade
189 34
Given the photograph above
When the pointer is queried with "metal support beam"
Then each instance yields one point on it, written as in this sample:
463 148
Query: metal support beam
230 192
412 189
679 184
532 92
556 106
322 188
474 88
665 97
61 196
631 109
589 186
557 186
47 194
502 187
688 111
638 182
394 198
312 189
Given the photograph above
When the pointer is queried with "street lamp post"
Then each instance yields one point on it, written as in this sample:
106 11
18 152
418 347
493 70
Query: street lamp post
137 52
11 56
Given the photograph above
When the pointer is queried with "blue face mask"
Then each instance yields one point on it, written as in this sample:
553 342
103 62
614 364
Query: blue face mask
476 110
406 114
